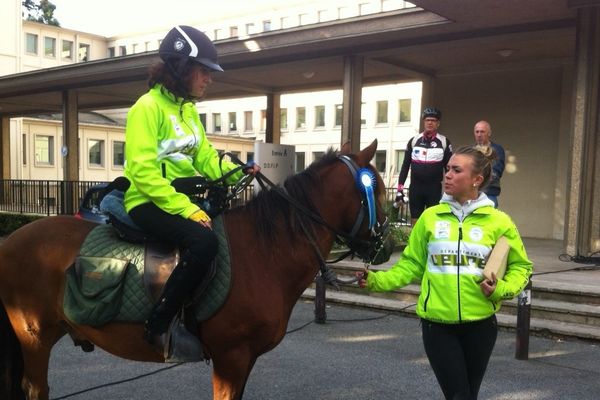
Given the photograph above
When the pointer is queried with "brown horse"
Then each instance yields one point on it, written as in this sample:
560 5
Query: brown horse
273 260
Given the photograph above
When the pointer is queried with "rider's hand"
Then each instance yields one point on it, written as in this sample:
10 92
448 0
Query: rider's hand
251 168
202 218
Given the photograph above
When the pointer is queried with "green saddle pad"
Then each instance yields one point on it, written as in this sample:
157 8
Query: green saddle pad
106 283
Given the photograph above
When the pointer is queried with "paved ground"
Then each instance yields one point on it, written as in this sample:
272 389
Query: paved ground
357 355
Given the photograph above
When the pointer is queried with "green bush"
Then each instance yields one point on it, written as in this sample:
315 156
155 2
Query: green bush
12 222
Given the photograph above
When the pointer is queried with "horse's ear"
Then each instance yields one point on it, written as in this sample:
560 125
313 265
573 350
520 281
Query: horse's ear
366 155
346 148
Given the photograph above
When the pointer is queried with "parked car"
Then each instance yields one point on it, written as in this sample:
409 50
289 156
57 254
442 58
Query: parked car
89 208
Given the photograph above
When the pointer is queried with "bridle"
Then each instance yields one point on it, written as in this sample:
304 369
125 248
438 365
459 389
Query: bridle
366 249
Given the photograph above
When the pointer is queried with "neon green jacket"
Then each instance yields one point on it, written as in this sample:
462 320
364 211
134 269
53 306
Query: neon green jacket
164 140
450 291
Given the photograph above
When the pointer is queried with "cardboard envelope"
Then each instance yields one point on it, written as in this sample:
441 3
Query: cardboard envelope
496 261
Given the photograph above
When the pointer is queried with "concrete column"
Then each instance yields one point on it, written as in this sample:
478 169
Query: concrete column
583 213
427 98
5 147
352 85
70 136
273 128
71 148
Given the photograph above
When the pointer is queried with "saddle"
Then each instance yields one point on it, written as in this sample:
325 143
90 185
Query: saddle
121 271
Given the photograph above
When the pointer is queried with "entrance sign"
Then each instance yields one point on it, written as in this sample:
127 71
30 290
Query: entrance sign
276 161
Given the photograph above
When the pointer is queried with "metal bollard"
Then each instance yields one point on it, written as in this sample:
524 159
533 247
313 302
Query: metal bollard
320 313
523 319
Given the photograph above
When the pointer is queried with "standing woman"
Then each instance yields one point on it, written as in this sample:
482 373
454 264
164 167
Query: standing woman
164 140
446 251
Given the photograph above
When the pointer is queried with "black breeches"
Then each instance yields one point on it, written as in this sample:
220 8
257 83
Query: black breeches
190 236
459 355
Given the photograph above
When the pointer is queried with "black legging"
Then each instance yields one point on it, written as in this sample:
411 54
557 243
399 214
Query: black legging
422 196
198 246
459 354
186 234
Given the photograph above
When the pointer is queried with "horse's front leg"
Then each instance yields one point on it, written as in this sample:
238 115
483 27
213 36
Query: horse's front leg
230 373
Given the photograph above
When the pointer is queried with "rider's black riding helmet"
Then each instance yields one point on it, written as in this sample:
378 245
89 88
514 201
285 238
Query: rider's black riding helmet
431 112
184 43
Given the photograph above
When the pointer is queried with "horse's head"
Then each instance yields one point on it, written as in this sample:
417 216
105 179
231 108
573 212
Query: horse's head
369 236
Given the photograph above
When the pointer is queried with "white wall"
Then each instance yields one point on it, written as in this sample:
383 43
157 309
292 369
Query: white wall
524 108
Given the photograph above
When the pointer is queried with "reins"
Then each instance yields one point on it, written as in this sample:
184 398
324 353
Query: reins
329 276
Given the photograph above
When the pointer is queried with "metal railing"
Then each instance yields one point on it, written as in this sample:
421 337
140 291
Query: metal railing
52 197
41 197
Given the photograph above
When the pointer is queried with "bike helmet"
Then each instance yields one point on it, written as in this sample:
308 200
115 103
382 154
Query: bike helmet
431 112
184 43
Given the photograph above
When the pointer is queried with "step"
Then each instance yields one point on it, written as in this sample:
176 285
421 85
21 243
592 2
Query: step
538 326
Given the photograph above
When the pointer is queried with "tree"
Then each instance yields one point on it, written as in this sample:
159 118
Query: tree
39 11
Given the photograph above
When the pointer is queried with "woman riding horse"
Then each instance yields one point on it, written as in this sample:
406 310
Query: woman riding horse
165 140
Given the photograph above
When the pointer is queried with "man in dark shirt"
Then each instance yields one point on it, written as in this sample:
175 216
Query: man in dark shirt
482 132
426 156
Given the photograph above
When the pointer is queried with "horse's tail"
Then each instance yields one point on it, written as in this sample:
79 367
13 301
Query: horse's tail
11 360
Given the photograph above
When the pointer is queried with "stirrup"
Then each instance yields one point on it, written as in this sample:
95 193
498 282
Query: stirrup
181 345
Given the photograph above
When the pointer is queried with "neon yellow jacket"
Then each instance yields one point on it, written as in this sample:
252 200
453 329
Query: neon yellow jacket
450 291
164 140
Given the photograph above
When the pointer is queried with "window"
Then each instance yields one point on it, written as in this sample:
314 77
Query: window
404 110
24 149
300 118
123 50
319 116
339 112
49 47
263 120
249 156
118 154
232 122
216 123
343 12
300 162
96 153
67 50
286 22
248 121
317 155
399 159
218 34
31 43
380 160
322 15
303 19
382 112
202 119
249 29
111 52
233 31
363 113
84 52
267 25
283 123
44 150
134 47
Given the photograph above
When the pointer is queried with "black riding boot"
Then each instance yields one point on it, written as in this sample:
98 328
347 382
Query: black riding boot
185 277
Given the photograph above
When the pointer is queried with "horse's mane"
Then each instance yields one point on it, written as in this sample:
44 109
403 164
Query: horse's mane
268 208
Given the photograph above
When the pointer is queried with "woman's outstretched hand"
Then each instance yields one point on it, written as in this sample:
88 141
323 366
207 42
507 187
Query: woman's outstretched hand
362 278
